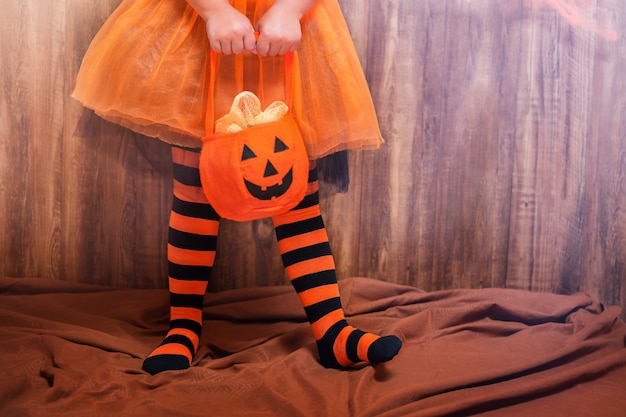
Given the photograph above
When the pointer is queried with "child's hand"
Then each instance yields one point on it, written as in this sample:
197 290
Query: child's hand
279 28
228 30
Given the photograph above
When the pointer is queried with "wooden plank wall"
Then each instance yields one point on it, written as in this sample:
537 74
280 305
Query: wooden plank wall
504 165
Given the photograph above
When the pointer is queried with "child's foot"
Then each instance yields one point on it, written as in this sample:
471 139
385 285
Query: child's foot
165 362
175 353
344 345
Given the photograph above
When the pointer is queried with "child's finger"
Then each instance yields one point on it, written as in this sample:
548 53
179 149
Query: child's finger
236 46
262 46
249 42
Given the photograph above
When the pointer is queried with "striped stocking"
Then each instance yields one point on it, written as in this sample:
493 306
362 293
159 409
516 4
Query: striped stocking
192 240
306 254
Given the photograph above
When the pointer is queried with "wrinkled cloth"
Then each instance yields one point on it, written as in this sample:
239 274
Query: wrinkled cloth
72 349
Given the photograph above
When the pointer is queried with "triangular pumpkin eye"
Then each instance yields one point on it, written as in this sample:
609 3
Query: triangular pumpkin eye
247 153
279 145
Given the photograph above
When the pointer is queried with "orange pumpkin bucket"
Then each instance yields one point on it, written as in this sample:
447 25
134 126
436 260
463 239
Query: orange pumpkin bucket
255 165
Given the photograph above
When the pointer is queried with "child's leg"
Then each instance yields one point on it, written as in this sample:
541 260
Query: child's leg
309 263
191 247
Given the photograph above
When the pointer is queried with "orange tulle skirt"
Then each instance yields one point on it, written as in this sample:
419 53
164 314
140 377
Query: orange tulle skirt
148 69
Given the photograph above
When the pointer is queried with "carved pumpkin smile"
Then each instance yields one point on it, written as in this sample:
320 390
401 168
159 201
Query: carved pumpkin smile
273 191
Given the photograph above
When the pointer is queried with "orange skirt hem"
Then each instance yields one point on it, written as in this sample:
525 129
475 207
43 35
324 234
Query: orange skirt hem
148 69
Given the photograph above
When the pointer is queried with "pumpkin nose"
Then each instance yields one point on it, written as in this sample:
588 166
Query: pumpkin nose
269 170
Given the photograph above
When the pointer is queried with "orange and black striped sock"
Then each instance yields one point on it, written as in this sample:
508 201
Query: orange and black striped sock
306 254
192 241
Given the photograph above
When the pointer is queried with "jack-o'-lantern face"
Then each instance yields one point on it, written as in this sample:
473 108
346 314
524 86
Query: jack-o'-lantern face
257 172
268 169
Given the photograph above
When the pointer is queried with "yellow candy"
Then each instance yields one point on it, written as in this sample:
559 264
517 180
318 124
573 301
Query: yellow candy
246 112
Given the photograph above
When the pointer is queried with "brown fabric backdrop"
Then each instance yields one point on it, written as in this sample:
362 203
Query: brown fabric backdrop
76 350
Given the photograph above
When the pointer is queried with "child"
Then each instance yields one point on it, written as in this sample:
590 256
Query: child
147 69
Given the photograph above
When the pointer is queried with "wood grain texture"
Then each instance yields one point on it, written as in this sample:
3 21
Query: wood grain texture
32 137
474 168
603 249
397 214
551 157
504 163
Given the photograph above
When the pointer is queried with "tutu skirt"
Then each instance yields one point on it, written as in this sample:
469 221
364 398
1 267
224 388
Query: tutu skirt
148 69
